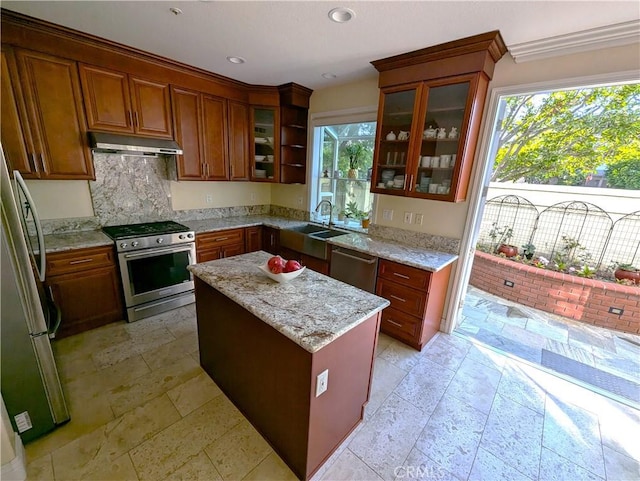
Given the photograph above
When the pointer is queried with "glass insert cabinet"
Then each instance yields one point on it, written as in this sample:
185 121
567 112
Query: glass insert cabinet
429 114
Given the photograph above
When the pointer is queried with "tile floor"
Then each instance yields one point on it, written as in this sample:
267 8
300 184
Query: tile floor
143 409
606 358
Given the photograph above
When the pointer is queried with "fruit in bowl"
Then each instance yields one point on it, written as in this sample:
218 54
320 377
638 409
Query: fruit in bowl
281 270
276 265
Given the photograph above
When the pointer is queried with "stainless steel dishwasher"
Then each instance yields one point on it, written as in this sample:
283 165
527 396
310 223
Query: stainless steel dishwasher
354 268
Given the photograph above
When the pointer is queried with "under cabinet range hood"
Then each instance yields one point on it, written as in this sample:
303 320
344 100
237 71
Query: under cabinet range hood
113 143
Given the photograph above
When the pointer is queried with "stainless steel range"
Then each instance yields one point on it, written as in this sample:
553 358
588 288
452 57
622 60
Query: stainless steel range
153 259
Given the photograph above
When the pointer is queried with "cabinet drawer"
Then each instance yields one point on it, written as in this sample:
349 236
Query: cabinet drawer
406 275
79 260
406 300
221 238
397 323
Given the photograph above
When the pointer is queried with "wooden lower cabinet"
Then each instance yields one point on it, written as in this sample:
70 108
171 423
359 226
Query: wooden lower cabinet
312 263
271 240
85 285
417 301
253 239
219 244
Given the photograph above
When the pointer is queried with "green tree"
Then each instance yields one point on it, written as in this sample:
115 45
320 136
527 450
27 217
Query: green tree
563 136
624 174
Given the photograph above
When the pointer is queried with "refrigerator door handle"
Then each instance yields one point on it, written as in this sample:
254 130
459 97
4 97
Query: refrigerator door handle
21 184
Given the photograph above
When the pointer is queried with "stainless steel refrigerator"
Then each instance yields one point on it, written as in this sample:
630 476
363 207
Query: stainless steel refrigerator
30 383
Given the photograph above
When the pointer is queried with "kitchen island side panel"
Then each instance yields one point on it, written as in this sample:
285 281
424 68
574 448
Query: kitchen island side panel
272 380
339 410
262 372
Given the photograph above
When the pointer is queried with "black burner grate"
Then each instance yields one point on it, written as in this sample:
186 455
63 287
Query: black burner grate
145 229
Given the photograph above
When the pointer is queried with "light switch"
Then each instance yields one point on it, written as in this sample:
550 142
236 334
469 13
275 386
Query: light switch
408 217
418 219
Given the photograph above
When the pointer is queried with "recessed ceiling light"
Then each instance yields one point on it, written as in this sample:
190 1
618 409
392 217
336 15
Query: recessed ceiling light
329 75
341 14
236 60
175 11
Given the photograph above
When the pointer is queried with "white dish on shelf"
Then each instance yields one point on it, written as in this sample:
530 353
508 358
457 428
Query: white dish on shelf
284 277
260 158
260 140
261 174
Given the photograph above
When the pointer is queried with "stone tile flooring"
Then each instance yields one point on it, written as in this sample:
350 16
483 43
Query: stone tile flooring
143 409
607 359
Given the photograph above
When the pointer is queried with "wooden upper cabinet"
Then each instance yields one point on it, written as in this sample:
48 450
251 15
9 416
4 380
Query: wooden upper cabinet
106 98
16 136
54 126
211 131
186 121
239 141
214 135
151 108
118 102
429 115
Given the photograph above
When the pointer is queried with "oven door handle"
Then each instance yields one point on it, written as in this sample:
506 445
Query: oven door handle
155 252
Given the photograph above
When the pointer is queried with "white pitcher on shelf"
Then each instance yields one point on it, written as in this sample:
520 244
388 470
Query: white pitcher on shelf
442 133
402 135
453 133
391 136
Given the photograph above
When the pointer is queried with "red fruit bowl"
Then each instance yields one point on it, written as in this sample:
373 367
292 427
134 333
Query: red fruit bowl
284 277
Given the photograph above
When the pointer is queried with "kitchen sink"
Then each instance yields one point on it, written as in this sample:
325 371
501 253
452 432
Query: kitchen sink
309 228
326 234
308 239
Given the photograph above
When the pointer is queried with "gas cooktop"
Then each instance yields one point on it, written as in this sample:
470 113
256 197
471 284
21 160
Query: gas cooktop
145 229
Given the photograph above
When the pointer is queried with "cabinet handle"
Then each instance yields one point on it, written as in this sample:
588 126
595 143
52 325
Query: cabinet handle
402 276
81 261
391 321
397 298
411 182
135 119
130 117
207 166
221 239
34 162
232 173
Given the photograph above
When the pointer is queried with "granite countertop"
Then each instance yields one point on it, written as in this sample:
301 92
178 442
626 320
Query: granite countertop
75 240
212 225
312 310
427 260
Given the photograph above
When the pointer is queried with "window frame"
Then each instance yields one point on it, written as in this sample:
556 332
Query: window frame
323 119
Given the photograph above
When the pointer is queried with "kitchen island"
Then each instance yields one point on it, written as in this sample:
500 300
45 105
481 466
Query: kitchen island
267 344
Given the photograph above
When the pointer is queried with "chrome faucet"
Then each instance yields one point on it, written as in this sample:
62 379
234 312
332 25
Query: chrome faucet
330 209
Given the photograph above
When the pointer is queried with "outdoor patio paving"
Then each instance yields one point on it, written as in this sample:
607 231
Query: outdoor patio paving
604 358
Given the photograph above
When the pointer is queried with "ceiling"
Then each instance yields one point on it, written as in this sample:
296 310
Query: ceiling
294 41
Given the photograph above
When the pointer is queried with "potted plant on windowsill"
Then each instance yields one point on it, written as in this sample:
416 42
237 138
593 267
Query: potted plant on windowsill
528 250
626 272
354 150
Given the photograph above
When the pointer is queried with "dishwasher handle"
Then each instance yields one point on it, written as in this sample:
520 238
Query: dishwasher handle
356 258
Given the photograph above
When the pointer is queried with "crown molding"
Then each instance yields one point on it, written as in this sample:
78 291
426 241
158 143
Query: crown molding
593 39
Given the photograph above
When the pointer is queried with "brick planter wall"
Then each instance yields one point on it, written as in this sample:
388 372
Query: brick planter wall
585 300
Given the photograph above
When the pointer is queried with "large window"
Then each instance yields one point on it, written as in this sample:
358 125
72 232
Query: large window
342 171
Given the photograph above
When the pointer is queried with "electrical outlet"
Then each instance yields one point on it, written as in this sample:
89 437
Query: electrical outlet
418 219
208 199
300 200
387 214
322 382
408 217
